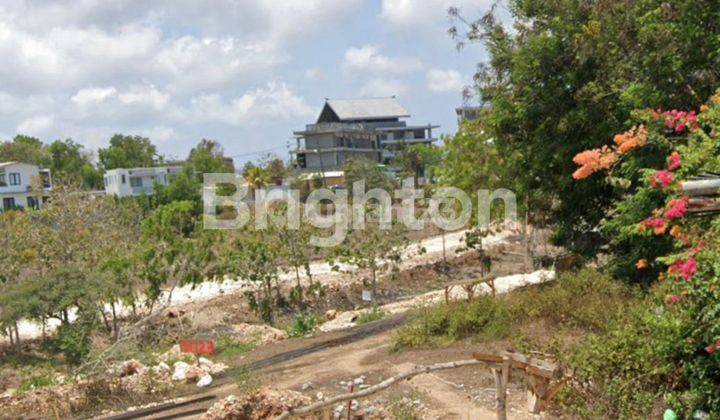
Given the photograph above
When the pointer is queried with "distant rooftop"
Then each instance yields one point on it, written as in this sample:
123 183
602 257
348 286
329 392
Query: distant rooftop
362 109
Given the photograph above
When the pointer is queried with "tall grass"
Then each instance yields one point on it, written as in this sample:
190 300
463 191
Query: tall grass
587 300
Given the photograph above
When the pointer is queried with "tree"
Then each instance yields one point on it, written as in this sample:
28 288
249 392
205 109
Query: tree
565 80
254 255
127 152
184 186
71 164
25 149
208 157
174 252
368 171
370 248
257 179
17 254
418 161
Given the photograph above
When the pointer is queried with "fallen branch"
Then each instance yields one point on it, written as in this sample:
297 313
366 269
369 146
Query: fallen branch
124 336
379 387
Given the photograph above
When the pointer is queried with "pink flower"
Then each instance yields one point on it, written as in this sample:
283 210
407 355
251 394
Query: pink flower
680 128
677 210
674 161
671 300
664 178
685 269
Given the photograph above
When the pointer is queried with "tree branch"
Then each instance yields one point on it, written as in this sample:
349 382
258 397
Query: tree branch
375 388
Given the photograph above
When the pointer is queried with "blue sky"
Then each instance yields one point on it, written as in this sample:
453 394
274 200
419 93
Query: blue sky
243 72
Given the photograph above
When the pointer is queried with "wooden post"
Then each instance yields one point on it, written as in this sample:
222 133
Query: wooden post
502 376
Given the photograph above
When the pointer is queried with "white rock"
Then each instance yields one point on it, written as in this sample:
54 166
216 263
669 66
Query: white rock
205 361
320 396
205 381
162 367
306 386
359 381
180 373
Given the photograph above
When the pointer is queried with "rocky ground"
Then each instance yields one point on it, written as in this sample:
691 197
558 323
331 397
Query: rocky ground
224 315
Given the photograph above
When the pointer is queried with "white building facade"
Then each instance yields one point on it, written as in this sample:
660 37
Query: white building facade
132 182
17 180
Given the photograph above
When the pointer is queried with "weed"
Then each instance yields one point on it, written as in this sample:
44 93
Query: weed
587 300
372 315
36 382
304 324
229 347
245 381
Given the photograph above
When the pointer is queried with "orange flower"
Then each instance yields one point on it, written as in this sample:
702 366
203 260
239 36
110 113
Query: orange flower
675 231
588 157
704 108
583 172
642 264
660 230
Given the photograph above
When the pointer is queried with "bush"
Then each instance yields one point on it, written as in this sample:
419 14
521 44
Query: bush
372 315
587 299
303 325
643 364
231 348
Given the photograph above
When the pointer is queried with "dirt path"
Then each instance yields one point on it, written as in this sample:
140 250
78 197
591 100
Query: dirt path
448 401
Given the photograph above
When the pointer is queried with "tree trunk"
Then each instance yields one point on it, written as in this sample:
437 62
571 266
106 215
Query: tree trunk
17 336
9 333
114 321
442 234
374 284
105 320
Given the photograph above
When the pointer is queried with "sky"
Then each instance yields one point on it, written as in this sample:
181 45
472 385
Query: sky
243 72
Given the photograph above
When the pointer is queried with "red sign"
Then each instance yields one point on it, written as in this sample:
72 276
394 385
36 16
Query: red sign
197 347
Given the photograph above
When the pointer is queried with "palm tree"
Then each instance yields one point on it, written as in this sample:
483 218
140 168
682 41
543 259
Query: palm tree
256 178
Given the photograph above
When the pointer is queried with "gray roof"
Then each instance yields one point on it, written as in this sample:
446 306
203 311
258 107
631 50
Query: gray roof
367 108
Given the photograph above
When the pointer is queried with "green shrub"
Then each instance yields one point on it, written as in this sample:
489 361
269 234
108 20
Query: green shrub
232 348
586 299
643 364
304 324
372 315
36 381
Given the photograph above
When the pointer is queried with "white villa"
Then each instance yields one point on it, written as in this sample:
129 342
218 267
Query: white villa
16 182
126 182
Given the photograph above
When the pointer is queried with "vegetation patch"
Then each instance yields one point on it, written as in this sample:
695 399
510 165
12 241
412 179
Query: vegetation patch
586 300
372 315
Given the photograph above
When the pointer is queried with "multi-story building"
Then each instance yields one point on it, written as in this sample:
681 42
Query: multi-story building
23 185
352 128
127 182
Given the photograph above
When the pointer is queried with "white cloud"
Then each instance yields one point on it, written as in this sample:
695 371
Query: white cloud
93 96
419 15
314 73
367 59
37 125
440 81
158 134
378 86
273 102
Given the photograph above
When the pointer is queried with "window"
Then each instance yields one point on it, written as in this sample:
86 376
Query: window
32 203
14 178
3 182
8 203
135 182
123 179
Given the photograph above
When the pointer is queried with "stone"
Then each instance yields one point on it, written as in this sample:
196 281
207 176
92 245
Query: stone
180 373
204 381
306 386
131 367
330 314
